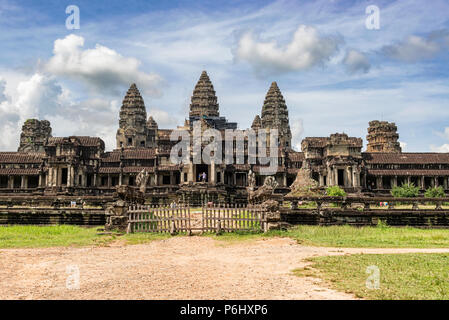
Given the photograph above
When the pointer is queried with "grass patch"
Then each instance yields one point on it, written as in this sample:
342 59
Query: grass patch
65 236
367 237
50 236
402 276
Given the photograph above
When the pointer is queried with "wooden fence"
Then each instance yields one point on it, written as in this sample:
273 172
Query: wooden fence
158 219
229 219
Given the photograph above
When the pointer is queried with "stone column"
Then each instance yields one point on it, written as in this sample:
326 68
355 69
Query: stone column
95 180
435 181
321 180
11 182
191 174
109 181
222 176
335 177
213 173
22 183
445 183
379 183
55 177
350 182
69 176
234 178
284 179
182 177
423 183
172 182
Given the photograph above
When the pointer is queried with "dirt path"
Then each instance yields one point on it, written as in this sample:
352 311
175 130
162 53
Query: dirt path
177 268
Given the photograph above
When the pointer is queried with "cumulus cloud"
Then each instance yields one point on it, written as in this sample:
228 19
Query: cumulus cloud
100 68
163 118
306 50
297 126
413 49
356 62
442 148
41 96
403 145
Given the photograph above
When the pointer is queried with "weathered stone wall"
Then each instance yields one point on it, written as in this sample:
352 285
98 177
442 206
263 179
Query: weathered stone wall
34 135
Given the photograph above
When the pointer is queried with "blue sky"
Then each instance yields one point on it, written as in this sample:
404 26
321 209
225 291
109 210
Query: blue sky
336 75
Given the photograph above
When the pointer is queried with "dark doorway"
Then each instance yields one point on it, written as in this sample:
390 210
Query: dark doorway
166 179
64 173
33 181
441 181
3 182
386 182
427 182
341 174
17 182
200 169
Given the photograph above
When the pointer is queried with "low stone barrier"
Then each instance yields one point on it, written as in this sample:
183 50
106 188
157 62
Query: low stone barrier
359 211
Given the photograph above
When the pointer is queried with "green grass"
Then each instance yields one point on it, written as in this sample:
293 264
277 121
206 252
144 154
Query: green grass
367 237
402 276
65 235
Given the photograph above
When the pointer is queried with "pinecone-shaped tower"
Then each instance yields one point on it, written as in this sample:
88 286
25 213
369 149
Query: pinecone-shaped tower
204 101
132 132
383 137
275 115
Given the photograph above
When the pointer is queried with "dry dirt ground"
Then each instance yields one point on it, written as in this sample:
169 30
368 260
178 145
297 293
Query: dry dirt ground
177 268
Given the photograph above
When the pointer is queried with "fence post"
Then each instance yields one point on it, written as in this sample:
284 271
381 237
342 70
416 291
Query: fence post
172 226
265 222
218 227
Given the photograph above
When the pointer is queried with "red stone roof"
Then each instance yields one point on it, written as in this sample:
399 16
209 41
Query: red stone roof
296 156
137 169
84 141
19 172
416 172
143 153
406 158
19 157
170 167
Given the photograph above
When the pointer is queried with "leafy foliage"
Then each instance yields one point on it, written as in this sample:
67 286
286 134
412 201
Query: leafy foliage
407 190
335 191
435 192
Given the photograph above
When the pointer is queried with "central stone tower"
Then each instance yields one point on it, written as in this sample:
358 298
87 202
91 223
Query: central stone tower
133 131
204 105
204 101
275 115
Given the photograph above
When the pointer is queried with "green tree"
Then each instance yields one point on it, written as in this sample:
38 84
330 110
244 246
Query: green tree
435 192
407 190
335 191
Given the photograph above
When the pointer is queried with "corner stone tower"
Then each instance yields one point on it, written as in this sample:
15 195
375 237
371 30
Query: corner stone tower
204 101
34 136
132 132
383 137
275 115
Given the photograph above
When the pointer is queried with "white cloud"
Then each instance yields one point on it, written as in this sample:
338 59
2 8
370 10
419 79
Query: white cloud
33 98
403 145
297 127
306 50
100 68
356 62
413 49
163 118
442 148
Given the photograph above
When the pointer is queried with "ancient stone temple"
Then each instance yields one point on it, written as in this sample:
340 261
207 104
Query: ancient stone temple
80 165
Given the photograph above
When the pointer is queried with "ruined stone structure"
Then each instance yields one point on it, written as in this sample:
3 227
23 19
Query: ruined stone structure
34 135
383 137
81 166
